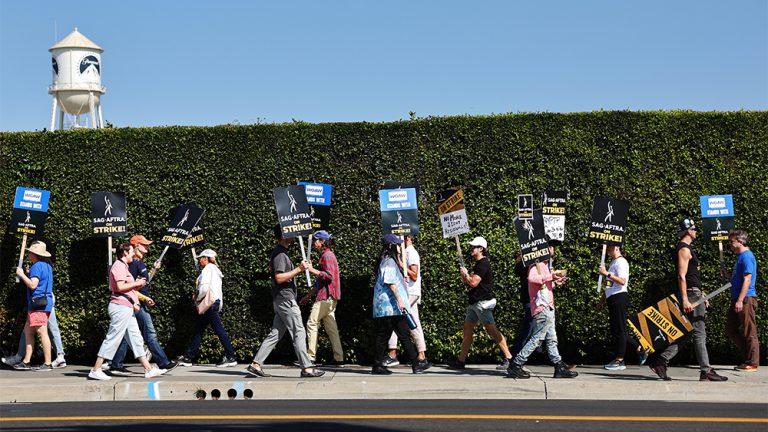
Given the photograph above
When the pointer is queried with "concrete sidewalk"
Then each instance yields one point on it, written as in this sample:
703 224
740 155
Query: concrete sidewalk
356 382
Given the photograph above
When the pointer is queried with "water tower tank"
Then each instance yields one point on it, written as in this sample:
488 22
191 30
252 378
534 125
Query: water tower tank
76 84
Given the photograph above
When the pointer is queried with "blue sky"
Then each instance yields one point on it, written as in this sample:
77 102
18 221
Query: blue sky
208 63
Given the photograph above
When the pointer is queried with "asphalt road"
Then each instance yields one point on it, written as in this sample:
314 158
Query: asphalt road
385 416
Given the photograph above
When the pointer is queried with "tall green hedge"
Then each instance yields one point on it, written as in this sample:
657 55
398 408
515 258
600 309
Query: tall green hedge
660 161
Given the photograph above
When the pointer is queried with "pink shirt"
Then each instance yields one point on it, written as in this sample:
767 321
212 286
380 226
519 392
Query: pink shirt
119 273
535 281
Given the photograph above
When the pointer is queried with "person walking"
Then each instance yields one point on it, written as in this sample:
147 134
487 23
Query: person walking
122 307
39 283
390 308
413 285
689 288
327 294
741 322
287 312
616 294
209 286
139 270
481 303
541 282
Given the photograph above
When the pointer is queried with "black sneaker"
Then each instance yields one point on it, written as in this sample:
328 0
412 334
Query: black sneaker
257 372
421 366
389 361
227 362
121 371
456 364
711 375
21 366
184 361
316 373
562 371
504 365
170 366
44 368
380 370
516 371
660 369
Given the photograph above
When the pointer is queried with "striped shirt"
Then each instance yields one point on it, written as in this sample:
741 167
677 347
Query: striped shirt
328 283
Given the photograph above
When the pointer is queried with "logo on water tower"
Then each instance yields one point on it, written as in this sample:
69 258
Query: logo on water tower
88 62
55 66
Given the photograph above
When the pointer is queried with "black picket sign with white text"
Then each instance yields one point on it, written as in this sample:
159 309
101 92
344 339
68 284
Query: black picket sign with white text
532 239
109 217
184 221
608 221
293 211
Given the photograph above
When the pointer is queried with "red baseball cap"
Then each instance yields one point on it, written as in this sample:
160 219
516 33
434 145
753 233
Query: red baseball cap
139 239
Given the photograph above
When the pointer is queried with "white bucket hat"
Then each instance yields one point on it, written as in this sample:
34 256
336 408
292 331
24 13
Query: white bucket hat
38 248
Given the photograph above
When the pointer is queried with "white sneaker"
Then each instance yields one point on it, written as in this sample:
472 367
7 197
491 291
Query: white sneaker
105 366
60 362
98 374
154 372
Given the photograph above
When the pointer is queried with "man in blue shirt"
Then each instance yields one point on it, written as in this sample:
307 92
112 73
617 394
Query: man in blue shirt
741 325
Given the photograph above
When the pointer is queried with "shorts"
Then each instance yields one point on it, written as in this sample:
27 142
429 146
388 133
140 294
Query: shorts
37 318
476 313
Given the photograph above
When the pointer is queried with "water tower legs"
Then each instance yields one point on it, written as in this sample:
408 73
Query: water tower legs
53 114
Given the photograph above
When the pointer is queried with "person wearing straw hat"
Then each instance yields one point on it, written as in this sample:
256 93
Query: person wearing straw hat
327 295
53 332
39 304
209 282
123 304
287 312
481 303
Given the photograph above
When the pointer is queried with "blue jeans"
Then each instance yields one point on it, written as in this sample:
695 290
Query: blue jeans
211 316
150 337
543 330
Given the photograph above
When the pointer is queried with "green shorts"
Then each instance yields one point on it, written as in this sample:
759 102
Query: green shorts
476 313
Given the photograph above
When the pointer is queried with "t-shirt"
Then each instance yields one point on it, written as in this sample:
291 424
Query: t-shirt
522 272
280 263
139 270
620 268
44 274
119 272
384 301
412 258
745 264
540 288
483 290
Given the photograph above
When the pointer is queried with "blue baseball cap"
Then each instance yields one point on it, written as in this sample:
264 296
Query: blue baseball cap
389 239
321 235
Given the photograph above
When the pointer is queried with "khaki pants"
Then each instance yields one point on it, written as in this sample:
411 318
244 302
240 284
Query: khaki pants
325 311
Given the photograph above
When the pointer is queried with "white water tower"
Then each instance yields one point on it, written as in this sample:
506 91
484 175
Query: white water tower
76 87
